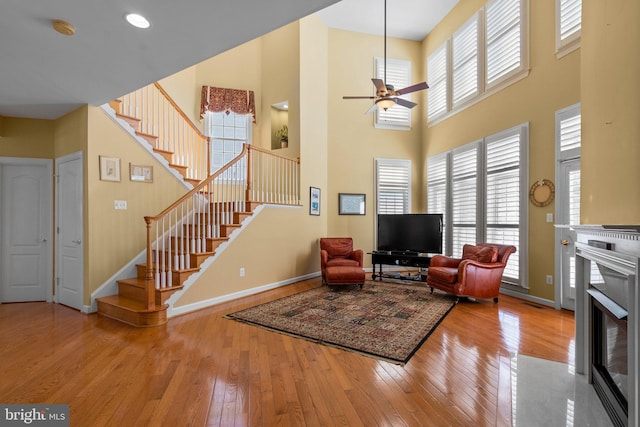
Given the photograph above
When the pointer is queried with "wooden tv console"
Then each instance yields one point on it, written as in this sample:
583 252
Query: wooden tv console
399 258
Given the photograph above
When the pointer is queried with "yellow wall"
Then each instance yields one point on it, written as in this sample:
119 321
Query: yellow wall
280 243
185 92
551 85
27 138
610 90
354 143
114 237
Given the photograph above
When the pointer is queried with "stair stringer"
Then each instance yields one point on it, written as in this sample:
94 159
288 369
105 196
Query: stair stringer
208 262
144 144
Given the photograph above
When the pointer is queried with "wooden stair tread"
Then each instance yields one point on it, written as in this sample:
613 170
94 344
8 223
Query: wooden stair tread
130 304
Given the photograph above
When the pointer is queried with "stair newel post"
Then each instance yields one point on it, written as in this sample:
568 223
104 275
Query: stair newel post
207 155
149 285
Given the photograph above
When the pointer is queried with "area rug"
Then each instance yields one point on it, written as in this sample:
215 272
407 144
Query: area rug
389 321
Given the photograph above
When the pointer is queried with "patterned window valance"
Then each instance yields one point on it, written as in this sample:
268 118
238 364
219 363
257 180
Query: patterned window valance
217 99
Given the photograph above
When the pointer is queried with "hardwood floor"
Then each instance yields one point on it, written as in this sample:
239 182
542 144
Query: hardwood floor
201 369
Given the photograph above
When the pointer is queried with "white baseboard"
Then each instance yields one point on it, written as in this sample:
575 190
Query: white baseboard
184 309
528 297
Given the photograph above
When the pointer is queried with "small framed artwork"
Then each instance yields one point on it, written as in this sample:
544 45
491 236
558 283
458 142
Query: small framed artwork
109 168
352 204
140 173
314 201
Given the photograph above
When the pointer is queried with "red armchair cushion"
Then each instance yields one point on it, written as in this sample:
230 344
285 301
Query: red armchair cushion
337 247
480 253
444 274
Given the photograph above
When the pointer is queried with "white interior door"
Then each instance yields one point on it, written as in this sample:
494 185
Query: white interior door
25 230
568 196
69 224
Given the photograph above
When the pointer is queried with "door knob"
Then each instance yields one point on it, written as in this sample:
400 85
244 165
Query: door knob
564 242
43 240
77 242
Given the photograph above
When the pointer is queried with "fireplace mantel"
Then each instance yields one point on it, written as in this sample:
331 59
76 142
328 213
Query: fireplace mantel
617 248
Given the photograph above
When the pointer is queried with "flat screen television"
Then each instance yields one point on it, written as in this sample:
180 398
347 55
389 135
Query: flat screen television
410 233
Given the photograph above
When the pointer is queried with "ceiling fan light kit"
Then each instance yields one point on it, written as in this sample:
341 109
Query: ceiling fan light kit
386 97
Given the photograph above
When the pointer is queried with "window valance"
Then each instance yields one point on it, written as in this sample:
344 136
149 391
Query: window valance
217 99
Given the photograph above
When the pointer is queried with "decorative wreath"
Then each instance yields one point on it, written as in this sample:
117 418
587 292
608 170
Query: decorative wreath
542 183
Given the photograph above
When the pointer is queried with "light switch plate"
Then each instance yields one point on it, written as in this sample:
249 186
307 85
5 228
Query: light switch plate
120 205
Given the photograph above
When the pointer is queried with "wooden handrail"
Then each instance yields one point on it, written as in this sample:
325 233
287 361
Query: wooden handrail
198 187
179 110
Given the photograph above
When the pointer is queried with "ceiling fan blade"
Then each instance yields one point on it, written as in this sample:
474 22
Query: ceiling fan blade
413 88
405 103
373 108
358 97
380 86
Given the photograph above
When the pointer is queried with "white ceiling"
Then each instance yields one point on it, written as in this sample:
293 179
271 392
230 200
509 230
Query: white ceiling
406 19
44 74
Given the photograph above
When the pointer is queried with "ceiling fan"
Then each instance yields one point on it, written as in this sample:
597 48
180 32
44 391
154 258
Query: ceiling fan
386 96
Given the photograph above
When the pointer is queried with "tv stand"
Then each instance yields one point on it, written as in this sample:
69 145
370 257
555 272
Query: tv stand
399 258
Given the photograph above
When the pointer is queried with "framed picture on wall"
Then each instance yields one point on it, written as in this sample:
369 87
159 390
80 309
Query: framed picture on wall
109 168
140 173
314 201
352 204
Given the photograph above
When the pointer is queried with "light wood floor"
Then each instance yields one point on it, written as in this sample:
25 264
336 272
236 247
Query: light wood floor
202 369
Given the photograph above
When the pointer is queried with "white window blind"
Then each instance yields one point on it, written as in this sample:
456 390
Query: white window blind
568 22
437 189
464 197
485 195
568 132
503 195
398 75
464 46
486 54
228 133
503 39
393 186
437 78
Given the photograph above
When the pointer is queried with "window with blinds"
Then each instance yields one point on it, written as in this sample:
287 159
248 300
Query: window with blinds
503 199
437 167
437 78
503 39
464 47
399 76
568 132
486 54
393 186
568 25
483 187
464 197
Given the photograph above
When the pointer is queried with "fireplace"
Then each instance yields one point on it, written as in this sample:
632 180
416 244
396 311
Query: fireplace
607 268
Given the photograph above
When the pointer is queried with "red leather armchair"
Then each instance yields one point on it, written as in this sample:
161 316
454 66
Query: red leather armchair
340 264
477 274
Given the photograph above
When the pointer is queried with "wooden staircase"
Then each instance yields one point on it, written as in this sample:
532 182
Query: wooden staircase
130 304
152 140
185 234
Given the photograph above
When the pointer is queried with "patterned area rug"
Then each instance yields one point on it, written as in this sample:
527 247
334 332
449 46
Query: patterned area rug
389 321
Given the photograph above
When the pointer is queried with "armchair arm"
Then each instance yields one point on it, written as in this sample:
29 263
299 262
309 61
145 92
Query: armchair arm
357 255
324 257
444 261
479 278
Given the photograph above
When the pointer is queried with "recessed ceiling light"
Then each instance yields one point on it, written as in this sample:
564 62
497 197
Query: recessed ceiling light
137 21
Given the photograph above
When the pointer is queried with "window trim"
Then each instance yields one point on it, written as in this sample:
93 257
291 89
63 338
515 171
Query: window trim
573 41
481 199
403 66
485 90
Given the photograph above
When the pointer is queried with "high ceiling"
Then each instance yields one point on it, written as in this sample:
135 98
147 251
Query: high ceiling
406 19
44 74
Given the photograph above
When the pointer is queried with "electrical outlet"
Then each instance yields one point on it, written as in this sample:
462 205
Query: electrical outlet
549 217
549 279
120 205
241 271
